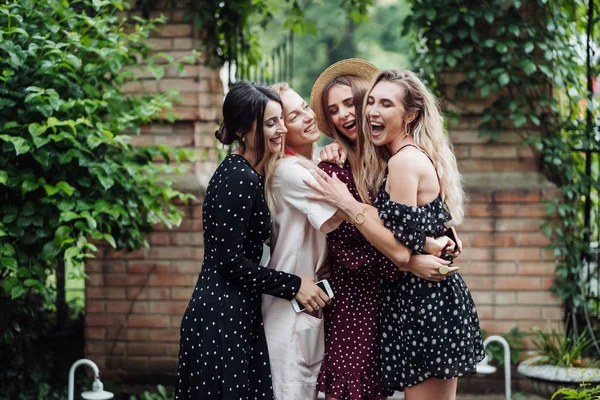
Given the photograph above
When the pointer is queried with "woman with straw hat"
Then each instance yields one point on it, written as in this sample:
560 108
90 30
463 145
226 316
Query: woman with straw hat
430 330
351 368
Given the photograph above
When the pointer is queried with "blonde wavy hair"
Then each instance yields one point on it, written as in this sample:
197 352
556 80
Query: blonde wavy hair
271 166
427 130
365 159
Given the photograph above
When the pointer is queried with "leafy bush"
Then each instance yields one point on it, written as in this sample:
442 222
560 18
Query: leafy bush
584 392
68 173
160 394
514 338
68 176
563 348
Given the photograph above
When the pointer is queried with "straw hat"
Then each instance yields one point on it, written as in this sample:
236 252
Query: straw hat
350 66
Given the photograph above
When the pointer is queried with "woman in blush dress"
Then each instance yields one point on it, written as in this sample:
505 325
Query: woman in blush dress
351 367
429 331
298 246
223 351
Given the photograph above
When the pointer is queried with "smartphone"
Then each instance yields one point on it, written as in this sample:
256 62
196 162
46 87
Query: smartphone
450 233
324 285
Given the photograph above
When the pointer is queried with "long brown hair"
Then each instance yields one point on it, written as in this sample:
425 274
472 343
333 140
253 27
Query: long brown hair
428 132
359 164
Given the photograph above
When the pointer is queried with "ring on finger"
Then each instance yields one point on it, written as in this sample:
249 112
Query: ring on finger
443 270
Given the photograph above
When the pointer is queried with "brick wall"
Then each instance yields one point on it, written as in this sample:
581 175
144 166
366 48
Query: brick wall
505 263
135 301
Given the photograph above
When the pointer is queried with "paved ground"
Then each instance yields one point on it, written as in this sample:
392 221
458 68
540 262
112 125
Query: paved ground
468 397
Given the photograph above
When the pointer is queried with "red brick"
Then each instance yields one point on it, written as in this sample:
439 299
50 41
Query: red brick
470 165
536 268
547 283
477 225
517 312
132 255
145 293
143 349
553 313
485 312
502 298
183 43
148 321
494 151
126 280
520 196
145 267
104 320
180 267
493 240
492 210
168 307
481 297
160 238
533 210
160 43
478 283
518 253
162 364
117 333
532 239
139 335
517 283
135 363
105 293
94 307
525 165
537 297
187 239
462 152
172 280
172 348
95 280
478 253
95 333
526 152
519 225
174 30
176 253
181 294
495 327
164 335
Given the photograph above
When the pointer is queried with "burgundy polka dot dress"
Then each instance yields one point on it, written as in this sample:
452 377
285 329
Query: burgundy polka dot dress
351 367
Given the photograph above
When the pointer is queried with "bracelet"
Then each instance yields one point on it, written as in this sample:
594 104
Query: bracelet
359 218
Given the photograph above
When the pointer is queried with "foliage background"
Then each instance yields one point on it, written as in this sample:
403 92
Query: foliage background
68 176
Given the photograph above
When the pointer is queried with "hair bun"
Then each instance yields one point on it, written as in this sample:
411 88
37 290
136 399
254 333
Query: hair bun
222 135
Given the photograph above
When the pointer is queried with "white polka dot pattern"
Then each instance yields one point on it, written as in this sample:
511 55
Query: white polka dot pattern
223 351
428 329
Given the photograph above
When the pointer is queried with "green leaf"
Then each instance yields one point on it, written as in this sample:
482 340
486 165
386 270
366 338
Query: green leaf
9 263
529 47
3 177
21 145
431 13
489 16
110 240
503 79
50 250
518 119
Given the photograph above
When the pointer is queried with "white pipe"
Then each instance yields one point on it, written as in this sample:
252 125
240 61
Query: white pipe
76 364
501 340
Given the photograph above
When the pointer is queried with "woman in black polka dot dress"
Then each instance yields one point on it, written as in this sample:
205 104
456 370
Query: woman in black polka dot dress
429 330
223 352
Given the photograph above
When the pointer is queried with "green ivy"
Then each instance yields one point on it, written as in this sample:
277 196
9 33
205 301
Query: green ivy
68 175
527 61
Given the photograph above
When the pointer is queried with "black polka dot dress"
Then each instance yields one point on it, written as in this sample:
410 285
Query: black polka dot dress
223 351
428 329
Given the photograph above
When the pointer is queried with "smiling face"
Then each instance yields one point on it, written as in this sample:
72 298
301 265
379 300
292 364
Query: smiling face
299 119
386 113
341 110
273 127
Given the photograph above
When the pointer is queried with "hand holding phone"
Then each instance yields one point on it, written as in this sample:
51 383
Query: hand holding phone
325 287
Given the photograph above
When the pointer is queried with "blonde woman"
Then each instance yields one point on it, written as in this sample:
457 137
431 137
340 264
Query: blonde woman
298 246
429 330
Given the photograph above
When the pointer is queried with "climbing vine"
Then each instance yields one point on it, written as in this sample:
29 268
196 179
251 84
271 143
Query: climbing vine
532 63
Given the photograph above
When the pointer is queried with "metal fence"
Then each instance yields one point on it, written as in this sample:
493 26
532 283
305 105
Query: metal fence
275 67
